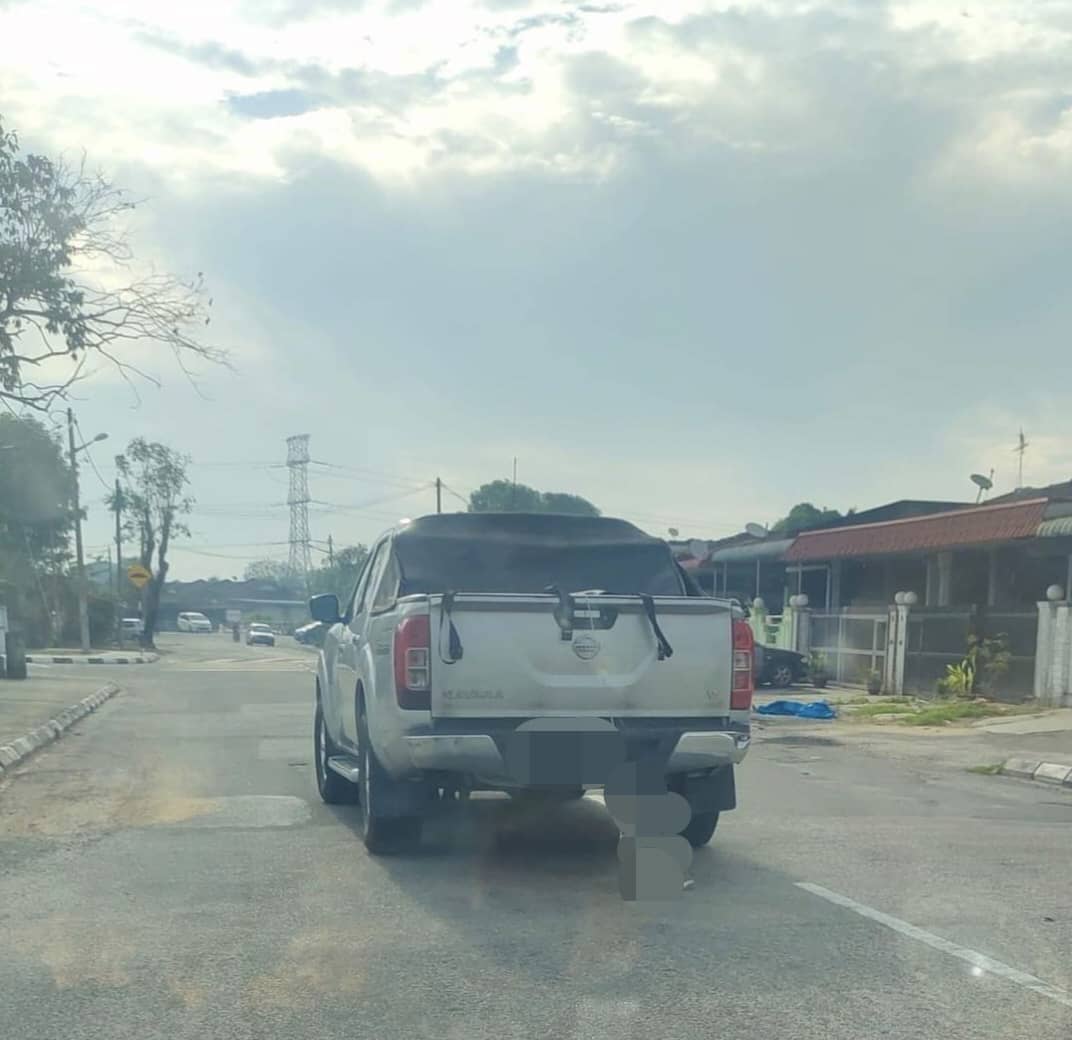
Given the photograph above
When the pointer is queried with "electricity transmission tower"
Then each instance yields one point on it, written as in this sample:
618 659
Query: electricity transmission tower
298 500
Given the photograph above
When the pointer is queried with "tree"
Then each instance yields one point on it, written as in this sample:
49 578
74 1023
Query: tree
562 502
36 521
503 496
341 575
57 223
803 517
154 503
275 571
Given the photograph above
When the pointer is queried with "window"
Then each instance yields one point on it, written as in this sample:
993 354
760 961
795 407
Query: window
357 601
387 589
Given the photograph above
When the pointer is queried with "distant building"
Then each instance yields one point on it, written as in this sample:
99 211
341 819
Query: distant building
260 600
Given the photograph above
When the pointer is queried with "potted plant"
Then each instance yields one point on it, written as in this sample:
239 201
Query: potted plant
874 682
817 670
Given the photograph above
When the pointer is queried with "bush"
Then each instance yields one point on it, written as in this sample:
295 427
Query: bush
981 671
959 680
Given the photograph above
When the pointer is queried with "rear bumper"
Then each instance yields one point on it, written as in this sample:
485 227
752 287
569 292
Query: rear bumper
484 756
704 750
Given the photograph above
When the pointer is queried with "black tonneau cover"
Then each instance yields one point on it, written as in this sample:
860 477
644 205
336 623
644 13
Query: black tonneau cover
527 552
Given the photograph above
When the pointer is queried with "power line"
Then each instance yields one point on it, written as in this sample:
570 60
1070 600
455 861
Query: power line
333 507
89 456
368 473
214 555
460 498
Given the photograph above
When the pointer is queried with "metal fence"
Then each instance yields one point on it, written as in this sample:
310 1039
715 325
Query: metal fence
852 642
938 637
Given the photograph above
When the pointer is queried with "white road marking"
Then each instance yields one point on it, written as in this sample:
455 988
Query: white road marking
980 962
253 671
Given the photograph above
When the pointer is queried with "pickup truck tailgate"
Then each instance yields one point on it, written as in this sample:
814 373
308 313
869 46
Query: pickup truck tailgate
519 661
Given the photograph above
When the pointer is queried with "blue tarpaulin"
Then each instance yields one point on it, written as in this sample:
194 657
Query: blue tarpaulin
802 709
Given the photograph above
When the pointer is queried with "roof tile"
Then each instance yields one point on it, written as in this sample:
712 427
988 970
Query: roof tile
965 527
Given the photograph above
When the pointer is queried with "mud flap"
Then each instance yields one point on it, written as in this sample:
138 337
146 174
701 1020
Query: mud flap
406 798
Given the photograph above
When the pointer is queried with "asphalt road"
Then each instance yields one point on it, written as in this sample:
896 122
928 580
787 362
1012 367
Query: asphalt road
167 870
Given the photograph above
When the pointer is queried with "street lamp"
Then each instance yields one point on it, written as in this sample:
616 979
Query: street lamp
83 605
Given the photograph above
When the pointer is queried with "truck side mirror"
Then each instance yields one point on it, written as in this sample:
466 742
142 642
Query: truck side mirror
325 608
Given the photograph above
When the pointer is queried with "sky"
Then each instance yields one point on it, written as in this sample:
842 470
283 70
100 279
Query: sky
696 261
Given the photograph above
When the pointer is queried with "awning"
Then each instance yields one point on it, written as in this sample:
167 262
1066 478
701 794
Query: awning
768 549
1061 527
964 528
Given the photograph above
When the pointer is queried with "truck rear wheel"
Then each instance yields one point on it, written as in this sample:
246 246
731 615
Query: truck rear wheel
381 834
700 829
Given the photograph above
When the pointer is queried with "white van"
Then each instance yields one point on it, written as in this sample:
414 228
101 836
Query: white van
193 621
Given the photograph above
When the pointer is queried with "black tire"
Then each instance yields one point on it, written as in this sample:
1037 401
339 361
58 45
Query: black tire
334 790
382 835
701 829
781 675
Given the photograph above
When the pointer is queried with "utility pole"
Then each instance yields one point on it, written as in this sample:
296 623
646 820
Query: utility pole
438 495
83 606
513 487
118 564
331 552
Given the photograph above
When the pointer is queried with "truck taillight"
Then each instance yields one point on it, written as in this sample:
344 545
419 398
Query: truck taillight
743 666
413 663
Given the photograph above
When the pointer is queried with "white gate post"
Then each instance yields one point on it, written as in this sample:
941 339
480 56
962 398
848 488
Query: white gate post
1044 650
1061 658
889 671
798 618
1053 648
896 643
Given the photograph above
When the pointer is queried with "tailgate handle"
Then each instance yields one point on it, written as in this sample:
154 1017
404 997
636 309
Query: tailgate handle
665 649
563 613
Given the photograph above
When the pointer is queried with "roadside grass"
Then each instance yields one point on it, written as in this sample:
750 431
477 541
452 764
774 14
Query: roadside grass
991 770
936 713
893 706
953 711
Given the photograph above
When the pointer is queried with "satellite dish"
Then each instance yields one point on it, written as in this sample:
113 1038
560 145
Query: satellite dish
698 548
756 530
673 532
982 483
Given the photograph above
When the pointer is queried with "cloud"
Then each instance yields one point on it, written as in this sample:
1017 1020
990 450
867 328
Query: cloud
278 13
698 260
272 104
209 53
582 89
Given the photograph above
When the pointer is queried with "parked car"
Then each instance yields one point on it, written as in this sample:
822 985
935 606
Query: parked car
192 621
778 667
132 626
310 634
469 658
259 634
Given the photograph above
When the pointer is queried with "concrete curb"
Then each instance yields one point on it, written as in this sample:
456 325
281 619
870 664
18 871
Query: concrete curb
1047 772
21 749
139 659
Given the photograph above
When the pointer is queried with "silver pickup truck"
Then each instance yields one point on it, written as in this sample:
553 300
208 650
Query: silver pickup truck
529 653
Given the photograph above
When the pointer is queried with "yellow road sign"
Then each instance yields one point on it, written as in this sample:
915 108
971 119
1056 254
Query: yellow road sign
139 576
